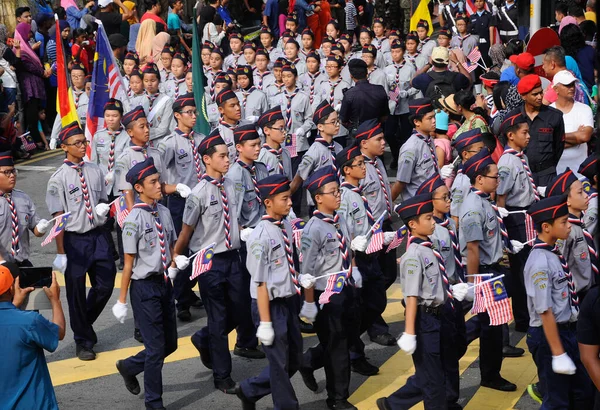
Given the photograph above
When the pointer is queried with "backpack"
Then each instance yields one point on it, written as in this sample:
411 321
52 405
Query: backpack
442 84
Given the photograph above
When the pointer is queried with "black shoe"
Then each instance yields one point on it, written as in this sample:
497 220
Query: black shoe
197 304
184 315
362 366
339 404
137 335
227 386
382 404
384 340
204 352
309 379
85 354
511 351
131 382
499 384
306 327
249 352
246 403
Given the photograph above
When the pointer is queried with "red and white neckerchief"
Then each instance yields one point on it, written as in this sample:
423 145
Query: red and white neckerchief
84 188
313 79
422 43
386 196
177 82
459 267
14 221
151 99
143 150
278 153
462 39
111 152
441 265
128 78
359 191
245 94
77 94
288 250
521 156
589 239
331 147
153 210
261 78
236 58
288 109
225 204
332 87
427 140
503 231
195 153
371 70
252 171
335 221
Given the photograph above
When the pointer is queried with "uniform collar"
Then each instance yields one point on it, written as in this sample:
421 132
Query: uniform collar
7 306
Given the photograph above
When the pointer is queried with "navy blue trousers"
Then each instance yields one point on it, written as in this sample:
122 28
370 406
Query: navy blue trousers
154 310
88 253
284 355
226 296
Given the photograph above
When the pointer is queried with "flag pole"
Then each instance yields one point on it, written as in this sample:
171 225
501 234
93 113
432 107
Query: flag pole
379 220
197 253
331 274
59 216
489 280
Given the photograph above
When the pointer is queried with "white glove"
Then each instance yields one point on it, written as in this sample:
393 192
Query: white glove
102 209
388 237
172 272
338 107
265 333
306 280
292 214
408 343
563 364
252 118
43 225
470 294
517 246
403 94
541 190
109 178
359 244
53 143
245 234
183 190
182 262
120 311
300 132
574 314
503 212
459 291
356 275
446 171
60 262
309 311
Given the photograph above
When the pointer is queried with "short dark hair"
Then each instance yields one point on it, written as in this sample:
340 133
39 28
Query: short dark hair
209 152
346 164
557 54
150 3
483 171
576 11
588 27
538 225
358 72
20 10
439 64
499 93
313 195
324 119
270 124
61 13
562 8
512 128
174 2
514 47
412 218
417 117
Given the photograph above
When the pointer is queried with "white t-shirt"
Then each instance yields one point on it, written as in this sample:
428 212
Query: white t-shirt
572 157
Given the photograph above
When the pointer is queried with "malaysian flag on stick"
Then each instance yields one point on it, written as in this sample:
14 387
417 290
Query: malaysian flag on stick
59 226
297 228
202 261
376 234
470 67
290 145
335 284
398 239
119 210
491 297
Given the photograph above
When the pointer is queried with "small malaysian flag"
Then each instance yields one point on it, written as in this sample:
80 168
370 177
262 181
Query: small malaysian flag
27 141
290 145
398 239
475 55
59 226
297 227
119 208
491 297
202 262
335 284
376 243
394 93
470 67
530 232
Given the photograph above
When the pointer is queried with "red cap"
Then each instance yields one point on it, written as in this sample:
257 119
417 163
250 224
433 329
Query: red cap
528 83
524 61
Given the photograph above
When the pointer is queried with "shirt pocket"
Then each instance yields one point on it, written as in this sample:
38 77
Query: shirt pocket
150 238
183 160
250 201
74 194
331 248
545 140
431 276
560 286
23 215
278 258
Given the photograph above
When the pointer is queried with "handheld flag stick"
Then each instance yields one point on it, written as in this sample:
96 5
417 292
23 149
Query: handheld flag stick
489 280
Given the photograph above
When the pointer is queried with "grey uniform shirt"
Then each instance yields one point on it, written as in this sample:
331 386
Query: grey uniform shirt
140 99
263 80
466 43
255 103
514 182
324 93
175 88
577 254
321 252
353 210
162 116
100 152
128 158
442 242
459 191
426 48
177 156
378 77
274 54
251 208
309 84
140 238
547 287
478 222
28 219
64 194
400 76
317 157
212 111
416 60
383 47
590 216
204 212
415 163
226 132
272 161
273 90
233 60
301 115
420 276
267 260
373 190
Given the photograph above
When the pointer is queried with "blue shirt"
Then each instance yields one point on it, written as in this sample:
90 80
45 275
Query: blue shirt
510 76
74 15
272 13
24 336
173 22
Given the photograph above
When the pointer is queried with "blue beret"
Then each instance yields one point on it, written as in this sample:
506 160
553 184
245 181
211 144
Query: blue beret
69 131
271 115
368 129
548 208
133 115
561 183
322 111
477 163
431 184
315 55
236 36
185 100
290 68
244 70
417 205
212 140
141 170
463 140
6 159
320 178
369 49
420 106
151 68
224 96
589 167
347 154
512 121
245 132
272 185
113 104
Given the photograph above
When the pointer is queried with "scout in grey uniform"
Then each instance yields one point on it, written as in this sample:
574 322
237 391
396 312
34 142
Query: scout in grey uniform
160 106
482 239
18 216
236 41
210 217
332 90
393 35
216 64
276 159
426 44
277 86
375 75
231 112
221 82
463 40
553 304
245 173
83 247
291 50
312 78
275 293
412 56
417 160
137 95
323 151
426 291
148 238
262 75
326 249
379 40
130 63
253 102
176 86
588 170
579 248
307 39
166 57
266 43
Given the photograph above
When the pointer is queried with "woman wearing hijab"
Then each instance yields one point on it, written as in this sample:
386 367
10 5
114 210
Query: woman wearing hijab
65 31
158 43
31 79
74 15
8 61
143 44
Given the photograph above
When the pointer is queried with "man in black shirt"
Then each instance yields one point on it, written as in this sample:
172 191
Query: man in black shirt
110 17
364 101
588 335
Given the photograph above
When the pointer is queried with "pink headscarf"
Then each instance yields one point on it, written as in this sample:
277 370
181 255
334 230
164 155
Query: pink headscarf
65 4
566 21
22 34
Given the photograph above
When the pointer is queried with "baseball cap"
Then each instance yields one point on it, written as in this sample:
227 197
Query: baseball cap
563 77
6 279
104 3
440 55
524 61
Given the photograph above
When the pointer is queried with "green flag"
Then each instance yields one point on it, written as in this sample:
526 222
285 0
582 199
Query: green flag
202 125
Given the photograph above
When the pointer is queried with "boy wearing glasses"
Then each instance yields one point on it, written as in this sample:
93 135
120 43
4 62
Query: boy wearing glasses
276 159
78 188
332 91
182 164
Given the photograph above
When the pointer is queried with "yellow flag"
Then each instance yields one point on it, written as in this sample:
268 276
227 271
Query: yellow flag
421 13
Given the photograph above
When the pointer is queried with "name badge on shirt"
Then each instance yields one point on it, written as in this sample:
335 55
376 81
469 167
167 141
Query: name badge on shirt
215 202
182 155
72 191
275 248
579 240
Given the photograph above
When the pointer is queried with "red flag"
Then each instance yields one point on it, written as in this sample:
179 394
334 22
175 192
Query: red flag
65 104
